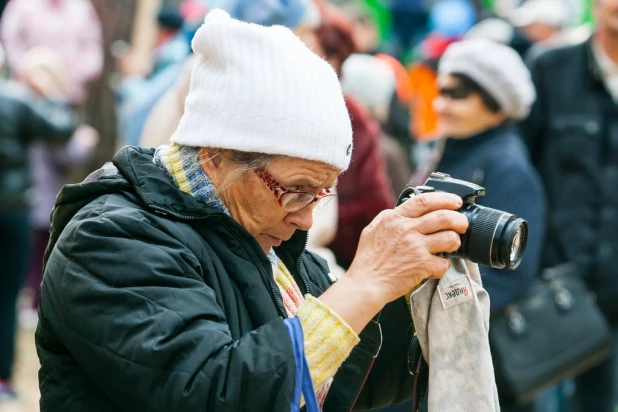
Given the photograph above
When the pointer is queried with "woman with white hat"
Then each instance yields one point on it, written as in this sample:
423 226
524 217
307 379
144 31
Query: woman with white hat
177 279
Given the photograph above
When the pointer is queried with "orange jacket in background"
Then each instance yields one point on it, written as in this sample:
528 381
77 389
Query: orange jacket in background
424 120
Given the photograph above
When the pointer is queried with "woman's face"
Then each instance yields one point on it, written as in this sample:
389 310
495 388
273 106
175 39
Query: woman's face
252 204
462 112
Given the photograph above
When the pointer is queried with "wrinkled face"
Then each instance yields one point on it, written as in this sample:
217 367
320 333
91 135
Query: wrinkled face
254 206
606 14
461 111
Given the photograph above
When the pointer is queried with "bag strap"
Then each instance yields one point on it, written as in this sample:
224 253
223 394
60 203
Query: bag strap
303 382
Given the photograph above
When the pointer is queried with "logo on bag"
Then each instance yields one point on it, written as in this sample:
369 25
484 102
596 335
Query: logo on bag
455 292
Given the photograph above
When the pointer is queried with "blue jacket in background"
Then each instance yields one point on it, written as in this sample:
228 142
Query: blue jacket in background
498 160
265 12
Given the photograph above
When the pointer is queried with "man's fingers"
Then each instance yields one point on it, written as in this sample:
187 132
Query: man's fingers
441 220
428 202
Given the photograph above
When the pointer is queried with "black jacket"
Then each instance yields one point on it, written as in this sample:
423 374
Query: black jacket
152 301
572 134
24 118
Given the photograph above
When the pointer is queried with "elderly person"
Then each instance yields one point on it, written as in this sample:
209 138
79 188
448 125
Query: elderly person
178 280
372 82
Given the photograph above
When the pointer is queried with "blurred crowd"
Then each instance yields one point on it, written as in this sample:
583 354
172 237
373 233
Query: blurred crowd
520 97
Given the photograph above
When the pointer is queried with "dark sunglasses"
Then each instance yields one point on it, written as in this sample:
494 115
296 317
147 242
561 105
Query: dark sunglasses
455 93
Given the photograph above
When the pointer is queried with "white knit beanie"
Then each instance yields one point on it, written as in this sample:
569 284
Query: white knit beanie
260 89
497 68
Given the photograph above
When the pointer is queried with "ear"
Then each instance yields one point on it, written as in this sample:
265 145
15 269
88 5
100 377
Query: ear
211 163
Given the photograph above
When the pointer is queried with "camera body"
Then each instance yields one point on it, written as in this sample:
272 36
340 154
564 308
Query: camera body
494 238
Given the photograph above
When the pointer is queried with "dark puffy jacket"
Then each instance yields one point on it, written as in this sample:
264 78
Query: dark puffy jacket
572 134
152 301
24 118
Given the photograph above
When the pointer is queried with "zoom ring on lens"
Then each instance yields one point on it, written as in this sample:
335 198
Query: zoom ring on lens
482 231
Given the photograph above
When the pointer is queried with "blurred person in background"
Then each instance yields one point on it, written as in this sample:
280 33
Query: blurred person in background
572 135
189 279
364 28
533 26
69 27
50 164
288 13
24 118
364 190
60 41
397 123
485 88
138 92
372 83
541 21
449 22
170 46
409 20
500 30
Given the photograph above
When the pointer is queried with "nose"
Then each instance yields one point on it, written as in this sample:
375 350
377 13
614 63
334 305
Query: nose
302 219
439 104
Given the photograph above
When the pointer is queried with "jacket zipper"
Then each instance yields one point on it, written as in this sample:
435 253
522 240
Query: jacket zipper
305 283
263 272
269 279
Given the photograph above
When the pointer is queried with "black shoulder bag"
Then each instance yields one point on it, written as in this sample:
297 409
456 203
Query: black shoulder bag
553 332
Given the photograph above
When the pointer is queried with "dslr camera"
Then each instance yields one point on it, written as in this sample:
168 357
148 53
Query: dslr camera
494 238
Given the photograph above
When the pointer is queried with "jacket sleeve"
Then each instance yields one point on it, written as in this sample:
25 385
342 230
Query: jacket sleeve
127 299
13 34
48 120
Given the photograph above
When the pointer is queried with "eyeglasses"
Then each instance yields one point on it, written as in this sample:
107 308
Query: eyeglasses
455 93
292 200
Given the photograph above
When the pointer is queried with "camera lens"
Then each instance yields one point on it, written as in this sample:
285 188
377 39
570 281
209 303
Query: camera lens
494 238
516 245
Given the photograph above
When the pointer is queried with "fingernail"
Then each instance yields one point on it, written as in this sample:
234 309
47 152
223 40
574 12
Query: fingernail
458 201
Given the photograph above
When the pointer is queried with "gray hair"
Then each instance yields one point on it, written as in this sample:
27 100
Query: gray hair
243 163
